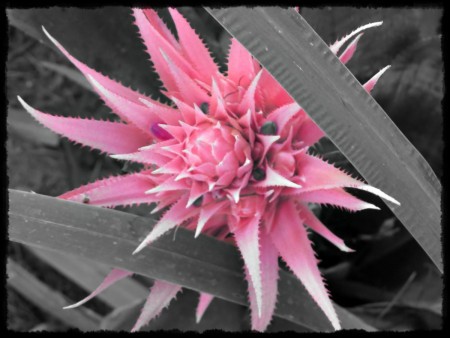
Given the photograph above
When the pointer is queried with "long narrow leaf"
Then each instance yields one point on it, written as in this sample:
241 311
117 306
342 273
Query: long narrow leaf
297 57
109 237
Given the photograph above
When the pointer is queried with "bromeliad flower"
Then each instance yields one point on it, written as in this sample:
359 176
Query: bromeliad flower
228 157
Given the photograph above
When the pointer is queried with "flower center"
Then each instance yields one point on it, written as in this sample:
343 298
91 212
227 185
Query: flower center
215 154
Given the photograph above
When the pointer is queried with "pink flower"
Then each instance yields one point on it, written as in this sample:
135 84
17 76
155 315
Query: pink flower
230 158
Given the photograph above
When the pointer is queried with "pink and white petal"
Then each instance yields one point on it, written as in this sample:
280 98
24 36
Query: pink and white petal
206 212
368 86
315 224
337 197
204 300
154 42
350 50
339 43
319 175
269 278
290 238
159 25
194 48
201 117
274 179
113 277
167 114
217 104
267 141
176 215
165 199
161 294
138 114
187 113
246 234
172 167
144 156
110 137
248 100
170 184
189 90
111 192
198 189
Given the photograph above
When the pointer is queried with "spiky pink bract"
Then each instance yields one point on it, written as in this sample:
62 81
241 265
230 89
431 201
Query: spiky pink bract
230 158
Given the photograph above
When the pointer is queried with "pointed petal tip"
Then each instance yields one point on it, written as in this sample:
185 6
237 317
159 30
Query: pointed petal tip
139 248
51 38
118 156
377 192
68 307
197 232
45 31
23 103
346 249
27 107
382 71
370 206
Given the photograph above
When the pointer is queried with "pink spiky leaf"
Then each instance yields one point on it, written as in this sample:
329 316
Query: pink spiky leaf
339 43
147 157
176 215
203 303
113 277
317 226
167 114
350 50
369 85
269 278
194 48
246 234
189 91
158 24
161 294
290 237
114 191
274 179
154 41
319 175
248 101
206 213
337 197
110 137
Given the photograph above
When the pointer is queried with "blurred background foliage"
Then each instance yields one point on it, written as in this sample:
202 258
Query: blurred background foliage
389 282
